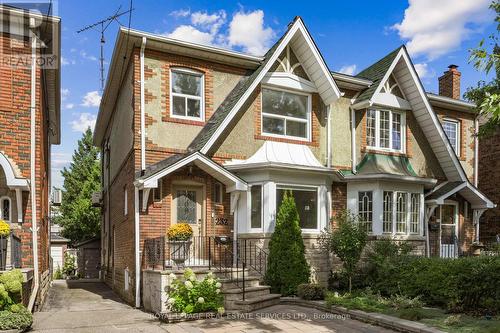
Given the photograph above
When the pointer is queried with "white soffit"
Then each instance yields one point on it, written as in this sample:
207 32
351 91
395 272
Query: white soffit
273 152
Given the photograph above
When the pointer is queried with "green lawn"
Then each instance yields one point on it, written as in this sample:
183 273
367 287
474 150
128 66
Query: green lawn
413 310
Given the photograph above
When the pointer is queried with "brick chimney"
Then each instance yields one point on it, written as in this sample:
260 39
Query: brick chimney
449 83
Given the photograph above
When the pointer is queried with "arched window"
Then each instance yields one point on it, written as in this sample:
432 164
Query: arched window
5 209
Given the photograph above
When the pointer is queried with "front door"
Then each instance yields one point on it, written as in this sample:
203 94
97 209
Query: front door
188 208
448 231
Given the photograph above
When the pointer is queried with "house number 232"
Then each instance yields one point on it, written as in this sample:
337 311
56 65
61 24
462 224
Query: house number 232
221 221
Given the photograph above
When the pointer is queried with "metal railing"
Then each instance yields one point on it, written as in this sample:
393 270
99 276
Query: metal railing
209 252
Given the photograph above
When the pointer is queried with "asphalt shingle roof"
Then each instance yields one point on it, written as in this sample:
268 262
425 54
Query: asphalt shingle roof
376 73
158 166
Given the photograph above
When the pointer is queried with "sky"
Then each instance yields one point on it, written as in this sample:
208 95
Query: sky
351 35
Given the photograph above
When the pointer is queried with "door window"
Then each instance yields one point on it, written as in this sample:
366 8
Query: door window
186 206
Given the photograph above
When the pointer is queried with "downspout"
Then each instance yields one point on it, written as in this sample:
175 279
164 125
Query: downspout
137 229
143 112
476 151
353 140
329 137
137 256
34 226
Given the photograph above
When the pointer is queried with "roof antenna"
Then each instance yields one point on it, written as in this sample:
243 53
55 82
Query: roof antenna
102 26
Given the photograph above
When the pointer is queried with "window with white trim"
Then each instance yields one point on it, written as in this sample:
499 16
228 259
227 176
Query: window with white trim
256 206
5 209
388 216
186 94
414 213
157 192
286 114
306 200
365 209
385 130
218 196
401 212
452 130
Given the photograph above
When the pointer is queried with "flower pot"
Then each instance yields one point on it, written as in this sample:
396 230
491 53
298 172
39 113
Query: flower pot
179 251
3 253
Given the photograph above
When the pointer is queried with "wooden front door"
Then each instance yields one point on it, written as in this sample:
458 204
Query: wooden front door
448 231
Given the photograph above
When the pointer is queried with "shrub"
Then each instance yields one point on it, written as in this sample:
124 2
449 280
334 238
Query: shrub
461 284
346 242
58 275
286 264
404 302
4 228
310 291
20 319
10 288
452 320
180 232
413 314
189 295
363 301
69 263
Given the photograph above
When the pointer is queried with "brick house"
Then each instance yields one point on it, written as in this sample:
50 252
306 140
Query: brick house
215 137
30 118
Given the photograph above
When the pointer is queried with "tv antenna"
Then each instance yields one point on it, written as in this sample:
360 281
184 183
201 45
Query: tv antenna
101 26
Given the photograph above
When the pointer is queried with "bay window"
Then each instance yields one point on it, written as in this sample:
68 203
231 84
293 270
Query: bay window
256 207
451 129
186 94
365 209
306 200
385 129
286 114
401 212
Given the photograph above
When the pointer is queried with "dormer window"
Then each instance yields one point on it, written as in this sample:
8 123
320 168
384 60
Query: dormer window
385 130
286 114
186 94
451 128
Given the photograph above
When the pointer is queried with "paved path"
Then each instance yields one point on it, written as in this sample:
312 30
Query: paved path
92 307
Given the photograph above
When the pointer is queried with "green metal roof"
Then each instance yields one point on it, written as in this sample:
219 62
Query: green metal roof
383 164
376 73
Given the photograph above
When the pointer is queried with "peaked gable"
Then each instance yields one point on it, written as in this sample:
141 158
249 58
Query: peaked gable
398 64
313 63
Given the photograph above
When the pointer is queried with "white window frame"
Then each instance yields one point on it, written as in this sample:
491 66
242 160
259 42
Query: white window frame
377 131
272 115
10 209
372 222
280 186
158 190
200 98
455 122
125 201
220 199
261 207
408 219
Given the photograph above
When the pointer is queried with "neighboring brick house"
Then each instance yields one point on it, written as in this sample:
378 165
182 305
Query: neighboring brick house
215 137
30 118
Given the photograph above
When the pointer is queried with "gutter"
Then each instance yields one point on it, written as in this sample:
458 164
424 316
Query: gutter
476 151
137 243
34 226
143 112
329 137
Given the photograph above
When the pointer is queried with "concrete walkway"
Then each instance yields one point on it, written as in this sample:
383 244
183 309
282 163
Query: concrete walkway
76 306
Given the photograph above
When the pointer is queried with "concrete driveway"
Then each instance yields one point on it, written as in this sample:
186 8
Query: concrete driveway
76 306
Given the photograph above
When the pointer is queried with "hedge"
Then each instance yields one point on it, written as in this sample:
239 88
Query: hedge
462 284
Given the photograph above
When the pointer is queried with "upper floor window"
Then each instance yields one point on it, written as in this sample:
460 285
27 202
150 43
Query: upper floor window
286 114
452 130
186 94
385 129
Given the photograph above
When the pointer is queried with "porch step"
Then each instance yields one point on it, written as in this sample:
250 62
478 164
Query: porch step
256 303
236 294
250 281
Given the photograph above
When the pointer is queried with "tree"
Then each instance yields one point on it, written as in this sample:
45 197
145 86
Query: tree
287 266
81 221
487 94
347 242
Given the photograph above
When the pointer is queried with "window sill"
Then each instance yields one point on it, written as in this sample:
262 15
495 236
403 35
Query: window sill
183 121
384 152
286 140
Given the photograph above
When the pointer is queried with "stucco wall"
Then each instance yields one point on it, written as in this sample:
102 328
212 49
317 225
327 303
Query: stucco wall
121 135
341 133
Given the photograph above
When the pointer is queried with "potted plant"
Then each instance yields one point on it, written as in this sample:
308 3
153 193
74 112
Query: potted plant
4 234
179 236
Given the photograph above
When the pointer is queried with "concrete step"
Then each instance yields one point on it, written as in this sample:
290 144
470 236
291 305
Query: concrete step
236 294
250 281
252 304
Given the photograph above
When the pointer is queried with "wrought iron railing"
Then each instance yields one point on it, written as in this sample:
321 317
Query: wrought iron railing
254 256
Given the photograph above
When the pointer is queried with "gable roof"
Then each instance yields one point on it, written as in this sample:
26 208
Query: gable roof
375 73
232 104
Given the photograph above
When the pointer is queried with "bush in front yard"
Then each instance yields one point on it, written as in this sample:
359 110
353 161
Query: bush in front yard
10 288
286 265
310 291
17 317
189 295
462 284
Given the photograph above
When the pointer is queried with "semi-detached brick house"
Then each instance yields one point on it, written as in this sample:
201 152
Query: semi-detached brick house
30 124
214 137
